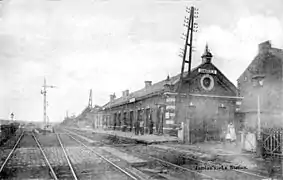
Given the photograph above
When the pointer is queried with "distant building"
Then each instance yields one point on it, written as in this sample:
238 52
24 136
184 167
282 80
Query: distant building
268 64
206 105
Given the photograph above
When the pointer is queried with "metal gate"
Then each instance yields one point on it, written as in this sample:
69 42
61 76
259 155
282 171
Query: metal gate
271 142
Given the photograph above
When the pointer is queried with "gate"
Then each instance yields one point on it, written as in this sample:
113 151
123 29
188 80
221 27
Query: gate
271 142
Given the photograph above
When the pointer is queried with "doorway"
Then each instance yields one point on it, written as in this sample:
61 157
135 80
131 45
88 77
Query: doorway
131 120
119 121
115 121
147 120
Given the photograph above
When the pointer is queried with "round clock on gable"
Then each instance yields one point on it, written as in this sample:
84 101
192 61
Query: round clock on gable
207 82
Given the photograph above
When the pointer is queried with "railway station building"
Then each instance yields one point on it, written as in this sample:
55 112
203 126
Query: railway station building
203 105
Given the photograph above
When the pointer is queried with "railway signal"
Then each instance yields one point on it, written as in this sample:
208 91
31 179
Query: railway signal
44 92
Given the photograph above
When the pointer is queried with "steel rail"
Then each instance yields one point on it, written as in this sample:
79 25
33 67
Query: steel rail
209 163
67 157
236 170
8 157
113 164
45 158
180 167
183 168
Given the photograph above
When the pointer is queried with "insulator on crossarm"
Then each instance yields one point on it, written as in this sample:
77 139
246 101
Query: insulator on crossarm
186 18
180 55
195 16
185 25
195 30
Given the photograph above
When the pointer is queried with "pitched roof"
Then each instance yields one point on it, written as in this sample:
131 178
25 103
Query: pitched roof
154 88
274 51
159 87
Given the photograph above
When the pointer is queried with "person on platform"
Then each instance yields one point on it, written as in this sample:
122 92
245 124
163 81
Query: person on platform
141 127
136 128
231 134
151 124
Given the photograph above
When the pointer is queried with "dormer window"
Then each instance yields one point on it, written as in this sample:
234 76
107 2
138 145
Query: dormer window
245 78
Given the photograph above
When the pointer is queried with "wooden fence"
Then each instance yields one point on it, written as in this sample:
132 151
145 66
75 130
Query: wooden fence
271 142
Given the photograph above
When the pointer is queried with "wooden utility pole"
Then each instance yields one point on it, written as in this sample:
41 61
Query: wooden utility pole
190 24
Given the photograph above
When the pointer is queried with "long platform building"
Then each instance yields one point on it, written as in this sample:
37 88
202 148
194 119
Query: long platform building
203 104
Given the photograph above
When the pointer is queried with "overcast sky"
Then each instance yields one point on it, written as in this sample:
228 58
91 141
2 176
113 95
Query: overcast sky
113 45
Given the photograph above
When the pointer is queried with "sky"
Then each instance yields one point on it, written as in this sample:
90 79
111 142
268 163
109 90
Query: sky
113 45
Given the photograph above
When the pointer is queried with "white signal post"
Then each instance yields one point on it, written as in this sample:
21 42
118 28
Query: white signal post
45 86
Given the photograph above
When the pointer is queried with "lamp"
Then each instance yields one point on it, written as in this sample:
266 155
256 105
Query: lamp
258 82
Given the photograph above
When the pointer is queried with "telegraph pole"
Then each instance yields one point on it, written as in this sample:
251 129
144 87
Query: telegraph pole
191 28
44 92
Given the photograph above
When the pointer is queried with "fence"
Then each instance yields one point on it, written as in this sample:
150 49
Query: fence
271 142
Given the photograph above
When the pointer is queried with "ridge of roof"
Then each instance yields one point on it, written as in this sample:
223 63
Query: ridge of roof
158 87
154 88
274 51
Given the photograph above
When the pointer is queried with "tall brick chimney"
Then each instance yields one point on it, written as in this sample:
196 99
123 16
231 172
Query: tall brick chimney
147 84
125 93
264 47
112 97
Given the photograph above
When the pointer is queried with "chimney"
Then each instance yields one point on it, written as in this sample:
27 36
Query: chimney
125 93
264 47
147 84
112 97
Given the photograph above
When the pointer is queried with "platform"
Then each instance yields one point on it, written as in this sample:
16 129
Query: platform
145 139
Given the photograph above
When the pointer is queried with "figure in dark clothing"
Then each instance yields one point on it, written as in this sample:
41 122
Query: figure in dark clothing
141 127
124 126
151 127
136 128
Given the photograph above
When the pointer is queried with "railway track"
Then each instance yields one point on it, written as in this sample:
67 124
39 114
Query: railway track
103 165
24 160
185 171
55 154
196 168
209 169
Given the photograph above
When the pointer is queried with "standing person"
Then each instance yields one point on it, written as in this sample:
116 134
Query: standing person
136 128
141 127
150 124
231 135
151 127
233 132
